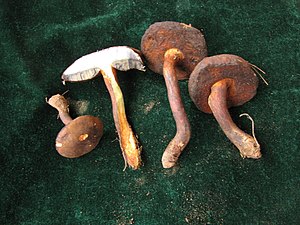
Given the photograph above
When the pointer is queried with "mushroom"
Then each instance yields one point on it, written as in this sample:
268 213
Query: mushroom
173 49
106 62
79 136
220 82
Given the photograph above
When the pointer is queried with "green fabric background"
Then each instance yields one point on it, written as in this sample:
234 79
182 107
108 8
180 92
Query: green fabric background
212 184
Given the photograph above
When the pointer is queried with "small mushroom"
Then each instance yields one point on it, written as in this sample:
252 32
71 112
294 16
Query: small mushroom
79 136
106 62
220 82
174 49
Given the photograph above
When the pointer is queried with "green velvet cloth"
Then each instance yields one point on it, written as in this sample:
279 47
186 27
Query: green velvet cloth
211 184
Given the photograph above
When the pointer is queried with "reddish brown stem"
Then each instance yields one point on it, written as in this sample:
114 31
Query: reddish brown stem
182 137
247 145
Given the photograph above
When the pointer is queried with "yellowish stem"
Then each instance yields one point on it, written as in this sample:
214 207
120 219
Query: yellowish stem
128 141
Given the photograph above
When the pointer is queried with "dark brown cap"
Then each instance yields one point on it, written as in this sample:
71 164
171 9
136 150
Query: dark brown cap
161 36
79 137
215 68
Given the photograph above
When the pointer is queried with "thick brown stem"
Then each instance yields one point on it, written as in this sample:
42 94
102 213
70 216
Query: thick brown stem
61 105
128 142
247 145
182 137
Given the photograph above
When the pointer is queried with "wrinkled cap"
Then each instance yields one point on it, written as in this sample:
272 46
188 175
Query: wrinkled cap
87 67
215 68
162 36
79 137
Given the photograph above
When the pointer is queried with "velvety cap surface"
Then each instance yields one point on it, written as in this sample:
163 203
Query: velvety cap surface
161 36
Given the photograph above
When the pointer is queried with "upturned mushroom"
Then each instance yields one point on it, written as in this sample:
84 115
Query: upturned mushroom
106 62
173 49
220 82
79 136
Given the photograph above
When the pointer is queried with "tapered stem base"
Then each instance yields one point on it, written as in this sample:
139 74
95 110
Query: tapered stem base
247 145
183 133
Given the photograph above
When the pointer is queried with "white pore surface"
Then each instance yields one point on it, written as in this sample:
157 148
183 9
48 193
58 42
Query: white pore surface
101 59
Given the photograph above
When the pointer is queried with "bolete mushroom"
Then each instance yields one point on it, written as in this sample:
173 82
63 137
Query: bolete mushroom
106 62
79 136
174 49
220 82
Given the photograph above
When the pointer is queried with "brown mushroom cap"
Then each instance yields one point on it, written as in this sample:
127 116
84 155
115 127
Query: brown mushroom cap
161 36
210 70
79 137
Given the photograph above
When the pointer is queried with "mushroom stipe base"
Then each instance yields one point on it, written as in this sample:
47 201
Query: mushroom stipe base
173 49
220 82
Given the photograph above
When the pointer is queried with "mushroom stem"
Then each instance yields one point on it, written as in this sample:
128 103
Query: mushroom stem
183 133
128 141
247 145
61 105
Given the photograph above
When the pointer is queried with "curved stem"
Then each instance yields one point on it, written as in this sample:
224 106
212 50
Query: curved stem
183 133
247 145
128 141
61 105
